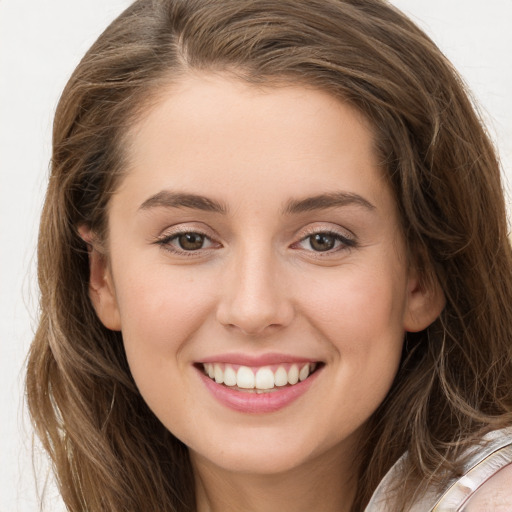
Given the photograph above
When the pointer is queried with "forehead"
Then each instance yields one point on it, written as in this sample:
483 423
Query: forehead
217 97
243 145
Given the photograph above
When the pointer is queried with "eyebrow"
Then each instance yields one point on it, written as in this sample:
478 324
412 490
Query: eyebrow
169 199
325 201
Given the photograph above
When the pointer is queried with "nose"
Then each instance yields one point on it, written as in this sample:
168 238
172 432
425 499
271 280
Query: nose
255 298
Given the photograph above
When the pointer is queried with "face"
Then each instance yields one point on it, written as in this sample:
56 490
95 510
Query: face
258 274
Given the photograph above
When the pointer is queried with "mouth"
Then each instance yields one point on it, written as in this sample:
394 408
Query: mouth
263 379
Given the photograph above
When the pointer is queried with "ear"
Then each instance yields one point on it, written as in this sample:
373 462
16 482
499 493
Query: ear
425 301
101 285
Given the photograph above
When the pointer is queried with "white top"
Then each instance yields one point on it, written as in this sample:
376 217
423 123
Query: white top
485 460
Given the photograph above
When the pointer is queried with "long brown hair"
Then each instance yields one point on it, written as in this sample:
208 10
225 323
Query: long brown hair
110 453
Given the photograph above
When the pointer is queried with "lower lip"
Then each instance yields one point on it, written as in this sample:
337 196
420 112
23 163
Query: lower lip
258 403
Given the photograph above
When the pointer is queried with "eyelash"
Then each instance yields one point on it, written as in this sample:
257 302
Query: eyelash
344 243
165 243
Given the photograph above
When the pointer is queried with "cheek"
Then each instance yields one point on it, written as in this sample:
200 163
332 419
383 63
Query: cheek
358 310
160 312
361 317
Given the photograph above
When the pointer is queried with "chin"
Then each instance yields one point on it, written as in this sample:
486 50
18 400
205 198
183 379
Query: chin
259 453
263 463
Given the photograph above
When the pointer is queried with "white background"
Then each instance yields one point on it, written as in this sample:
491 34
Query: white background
41 42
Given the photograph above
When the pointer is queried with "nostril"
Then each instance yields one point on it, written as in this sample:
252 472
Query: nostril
254 331
255 318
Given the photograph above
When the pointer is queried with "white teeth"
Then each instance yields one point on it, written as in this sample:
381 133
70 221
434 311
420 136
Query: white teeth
281 377
304 372
293 375
218 373
263 379
245 378
229 376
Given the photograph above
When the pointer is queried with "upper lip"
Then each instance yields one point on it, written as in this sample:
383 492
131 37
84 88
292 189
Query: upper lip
257 360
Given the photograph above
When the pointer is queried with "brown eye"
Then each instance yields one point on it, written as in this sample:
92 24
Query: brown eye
322 242
191 241
188 243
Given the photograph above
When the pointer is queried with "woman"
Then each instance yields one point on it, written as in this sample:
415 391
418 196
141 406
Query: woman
274 267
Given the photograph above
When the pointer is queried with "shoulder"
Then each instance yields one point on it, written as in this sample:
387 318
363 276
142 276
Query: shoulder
495 495
485 484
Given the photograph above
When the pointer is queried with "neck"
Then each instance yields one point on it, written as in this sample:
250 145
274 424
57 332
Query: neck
322 484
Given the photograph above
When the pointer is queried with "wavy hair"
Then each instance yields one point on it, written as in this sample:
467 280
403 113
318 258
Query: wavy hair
109 452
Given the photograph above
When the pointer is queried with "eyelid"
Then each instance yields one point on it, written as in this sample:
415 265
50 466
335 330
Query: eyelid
347 238
172 232
186 226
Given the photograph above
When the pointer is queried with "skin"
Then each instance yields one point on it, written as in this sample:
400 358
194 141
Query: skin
495 495
258 286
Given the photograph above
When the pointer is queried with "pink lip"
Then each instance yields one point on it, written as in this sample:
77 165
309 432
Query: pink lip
252 402
255 361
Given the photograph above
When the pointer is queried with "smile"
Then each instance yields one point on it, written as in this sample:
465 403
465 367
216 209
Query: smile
258 379
259 384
